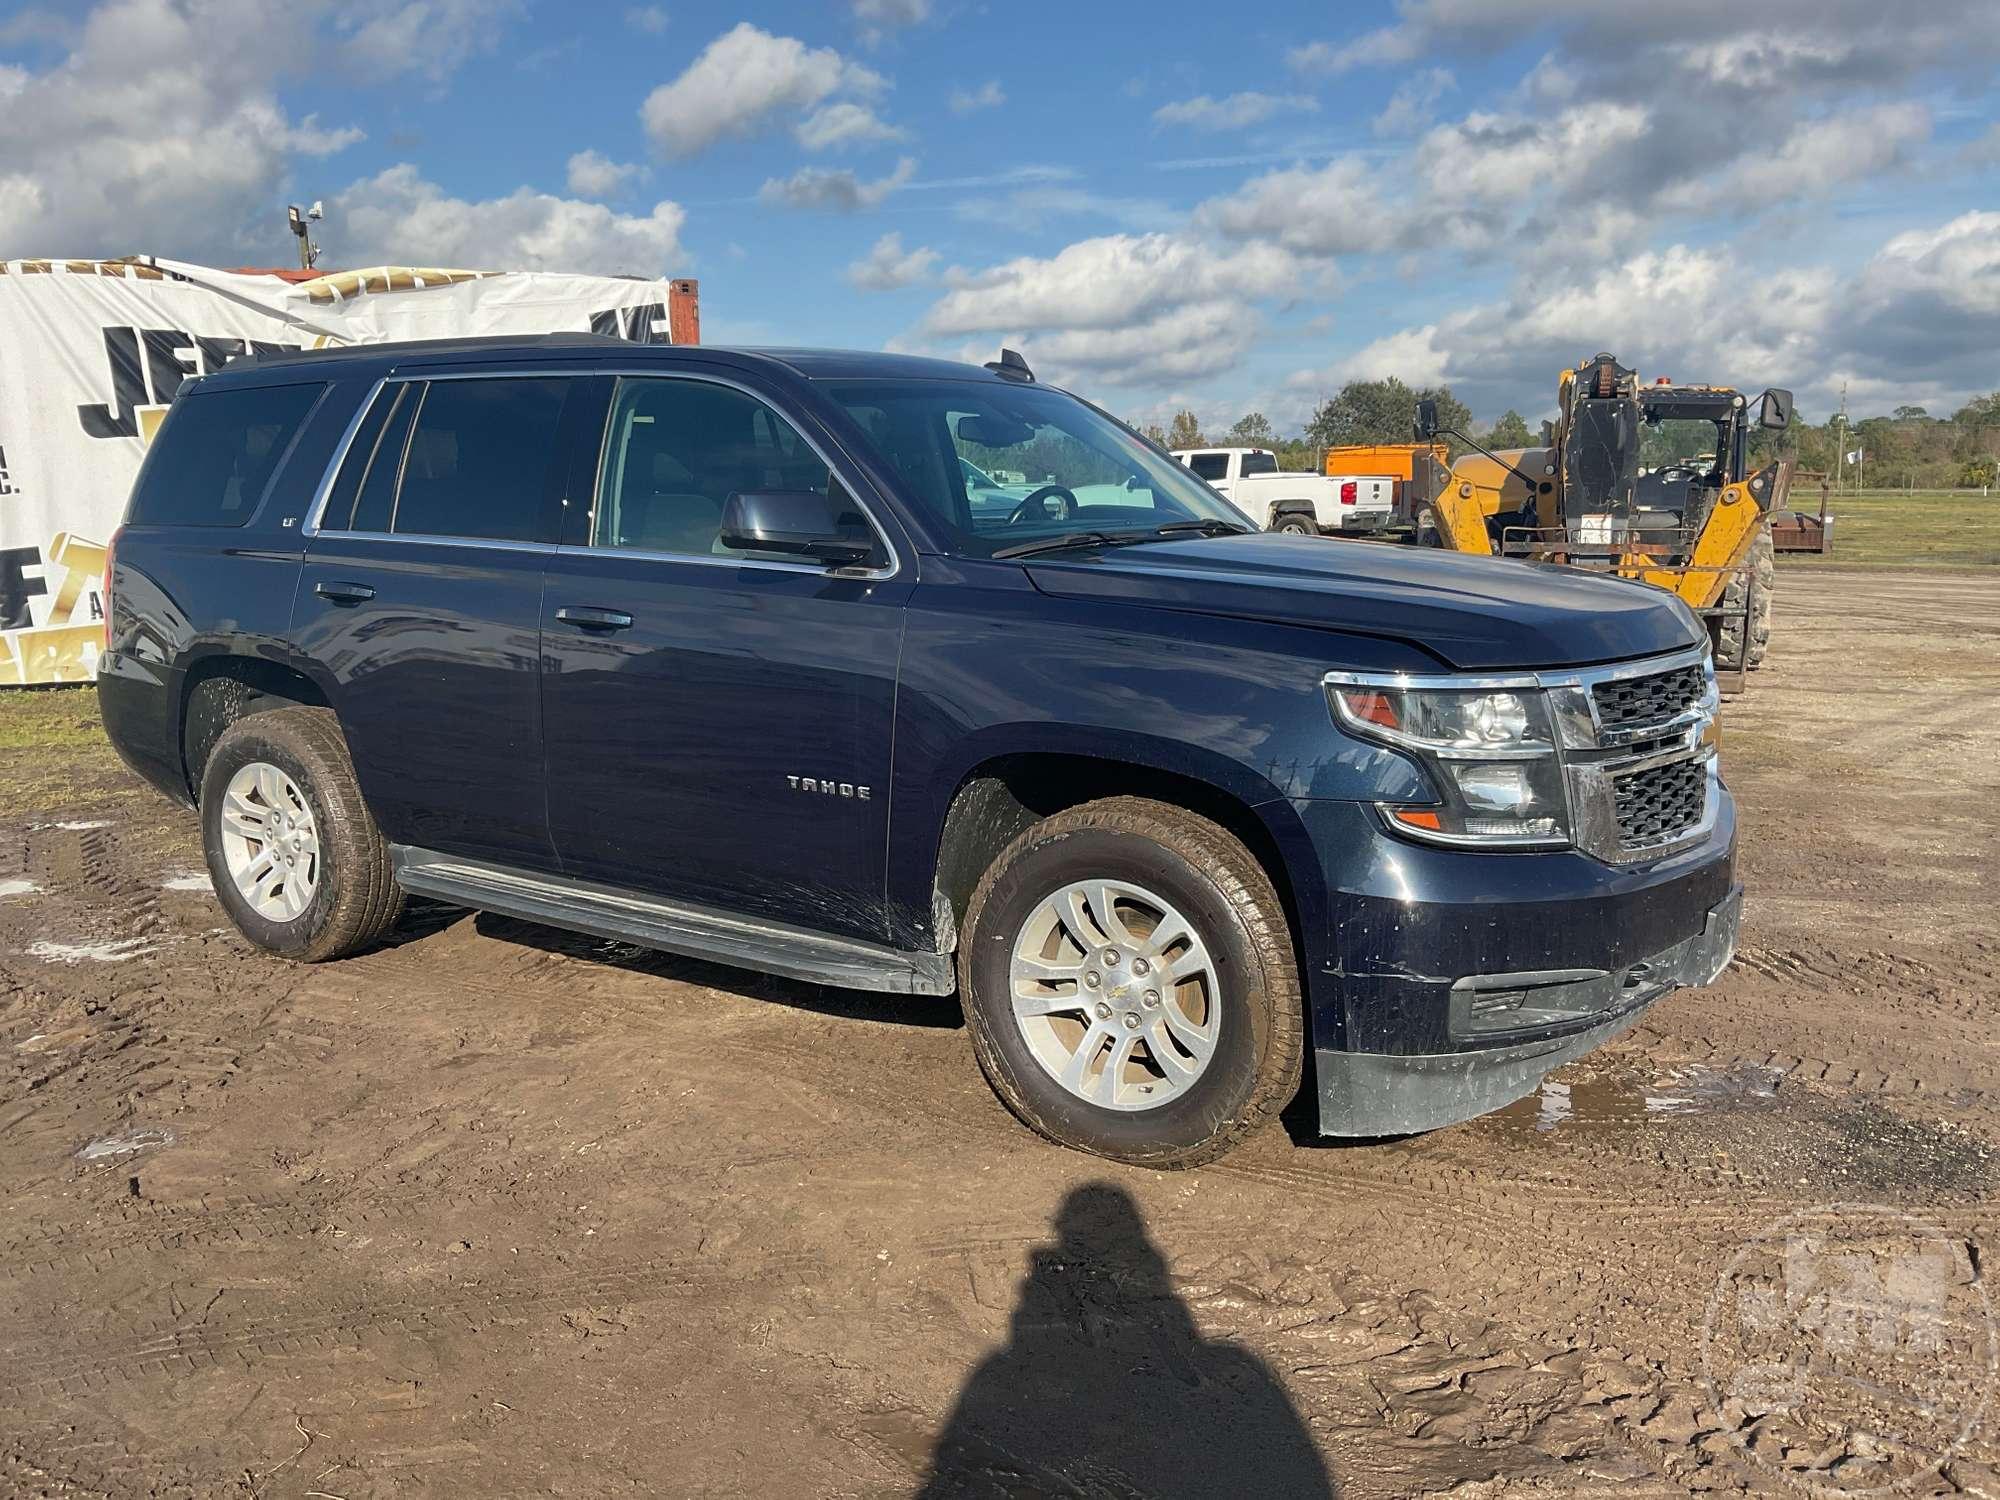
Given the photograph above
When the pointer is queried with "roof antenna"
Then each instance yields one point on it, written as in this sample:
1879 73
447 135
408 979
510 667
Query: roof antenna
1010 366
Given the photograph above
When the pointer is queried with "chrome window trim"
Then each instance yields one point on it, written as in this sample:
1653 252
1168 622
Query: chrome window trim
323 493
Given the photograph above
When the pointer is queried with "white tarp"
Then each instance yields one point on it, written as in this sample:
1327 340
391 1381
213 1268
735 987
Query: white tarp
91 353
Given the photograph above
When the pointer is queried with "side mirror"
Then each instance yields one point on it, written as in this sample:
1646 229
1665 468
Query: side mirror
802 522
1775 410
1427 421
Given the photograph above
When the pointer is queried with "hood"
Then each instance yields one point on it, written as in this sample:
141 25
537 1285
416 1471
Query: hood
1476 613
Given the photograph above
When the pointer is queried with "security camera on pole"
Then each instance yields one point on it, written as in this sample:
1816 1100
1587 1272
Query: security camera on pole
301 221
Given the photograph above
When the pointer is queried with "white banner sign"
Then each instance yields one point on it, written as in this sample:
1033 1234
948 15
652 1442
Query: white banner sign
92 352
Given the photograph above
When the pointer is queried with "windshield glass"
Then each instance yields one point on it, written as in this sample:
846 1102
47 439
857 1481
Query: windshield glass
1000 466
1680 443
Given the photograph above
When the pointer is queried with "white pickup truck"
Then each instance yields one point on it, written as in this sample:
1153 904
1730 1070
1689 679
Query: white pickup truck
1250 480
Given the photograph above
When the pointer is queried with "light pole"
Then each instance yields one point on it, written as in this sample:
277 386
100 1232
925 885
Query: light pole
301 222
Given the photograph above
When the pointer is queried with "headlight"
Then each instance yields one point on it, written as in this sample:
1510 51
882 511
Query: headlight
1491 749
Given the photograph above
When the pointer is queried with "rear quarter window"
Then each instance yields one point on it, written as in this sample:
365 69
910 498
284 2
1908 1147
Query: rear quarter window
217 453
1259 463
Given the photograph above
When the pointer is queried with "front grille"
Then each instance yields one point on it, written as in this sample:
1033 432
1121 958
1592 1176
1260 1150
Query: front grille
1657 804
1629 702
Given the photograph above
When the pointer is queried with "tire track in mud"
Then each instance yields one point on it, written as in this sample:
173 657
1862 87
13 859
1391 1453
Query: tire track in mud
78 1362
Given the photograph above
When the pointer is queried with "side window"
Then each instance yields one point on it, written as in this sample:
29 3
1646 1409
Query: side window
482 460
1258 463
1209 466
677 450
214 458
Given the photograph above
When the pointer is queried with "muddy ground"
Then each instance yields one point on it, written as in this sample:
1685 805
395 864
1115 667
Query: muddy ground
497 1210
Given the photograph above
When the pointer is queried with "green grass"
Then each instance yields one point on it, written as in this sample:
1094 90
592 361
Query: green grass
56 718
53 752
1920 528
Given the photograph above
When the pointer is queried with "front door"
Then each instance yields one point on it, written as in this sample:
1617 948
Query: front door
421 600
718 722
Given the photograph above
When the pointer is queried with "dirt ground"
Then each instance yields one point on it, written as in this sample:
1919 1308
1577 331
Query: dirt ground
496 1210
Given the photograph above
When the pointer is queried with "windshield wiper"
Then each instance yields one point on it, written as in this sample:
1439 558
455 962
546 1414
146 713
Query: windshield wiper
1164 533
1062 543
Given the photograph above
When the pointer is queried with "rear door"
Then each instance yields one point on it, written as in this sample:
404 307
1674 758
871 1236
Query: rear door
421 601
719 722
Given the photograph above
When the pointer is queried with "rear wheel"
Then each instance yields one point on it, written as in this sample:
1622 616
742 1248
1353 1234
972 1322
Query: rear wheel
1296 525
1129 984
295 858
1756 583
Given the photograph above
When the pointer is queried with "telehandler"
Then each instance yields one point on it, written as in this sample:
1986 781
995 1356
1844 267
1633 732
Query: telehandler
1648 481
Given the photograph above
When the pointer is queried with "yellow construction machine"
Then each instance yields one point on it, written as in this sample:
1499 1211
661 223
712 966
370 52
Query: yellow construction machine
1648 481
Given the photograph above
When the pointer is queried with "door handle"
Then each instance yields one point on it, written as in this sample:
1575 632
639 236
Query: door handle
591 618
344 593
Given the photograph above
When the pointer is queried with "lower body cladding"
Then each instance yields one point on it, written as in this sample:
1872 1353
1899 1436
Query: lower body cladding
1453 981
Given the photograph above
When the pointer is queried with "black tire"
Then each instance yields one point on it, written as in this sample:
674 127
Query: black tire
1220 887
1728 629
356 900
1296 525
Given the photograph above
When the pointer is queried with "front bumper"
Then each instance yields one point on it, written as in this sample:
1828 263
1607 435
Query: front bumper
1378 1093
1447 982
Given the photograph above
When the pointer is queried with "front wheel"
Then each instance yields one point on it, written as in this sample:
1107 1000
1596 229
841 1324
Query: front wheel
1129 984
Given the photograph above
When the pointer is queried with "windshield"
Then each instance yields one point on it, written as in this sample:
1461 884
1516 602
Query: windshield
999 467
1680 443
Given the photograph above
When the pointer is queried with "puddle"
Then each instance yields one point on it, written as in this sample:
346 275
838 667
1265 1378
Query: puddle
82 826
188 880
1623 1100
104 953
17 888
125 1142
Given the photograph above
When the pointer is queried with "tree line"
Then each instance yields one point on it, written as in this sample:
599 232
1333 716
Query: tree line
1907 447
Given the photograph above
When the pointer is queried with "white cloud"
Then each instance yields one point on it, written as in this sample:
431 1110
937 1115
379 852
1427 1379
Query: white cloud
1821 154
1107 282
889 266
651 20
595 175
834 191
384 38
1411 106
886 13
740 80
157 130
398 217
989 95
843 124
1508 158
1337 209
1237 112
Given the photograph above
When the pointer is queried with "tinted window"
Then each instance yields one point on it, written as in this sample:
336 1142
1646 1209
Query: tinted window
1258 463
678 450
482 460
380 463
216 453
1209 465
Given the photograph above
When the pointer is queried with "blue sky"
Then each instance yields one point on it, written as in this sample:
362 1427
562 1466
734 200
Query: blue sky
1161 204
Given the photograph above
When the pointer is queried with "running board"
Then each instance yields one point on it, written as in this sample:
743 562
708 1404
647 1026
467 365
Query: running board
692 931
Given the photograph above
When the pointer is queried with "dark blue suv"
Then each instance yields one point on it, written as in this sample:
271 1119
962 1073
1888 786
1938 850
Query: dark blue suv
724 652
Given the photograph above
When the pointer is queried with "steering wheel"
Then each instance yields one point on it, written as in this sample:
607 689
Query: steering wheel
1036 506
1677 471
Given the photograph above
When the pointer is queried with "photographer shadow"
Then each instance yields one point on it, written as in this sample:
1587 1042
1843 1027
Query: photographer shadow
1106 1386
